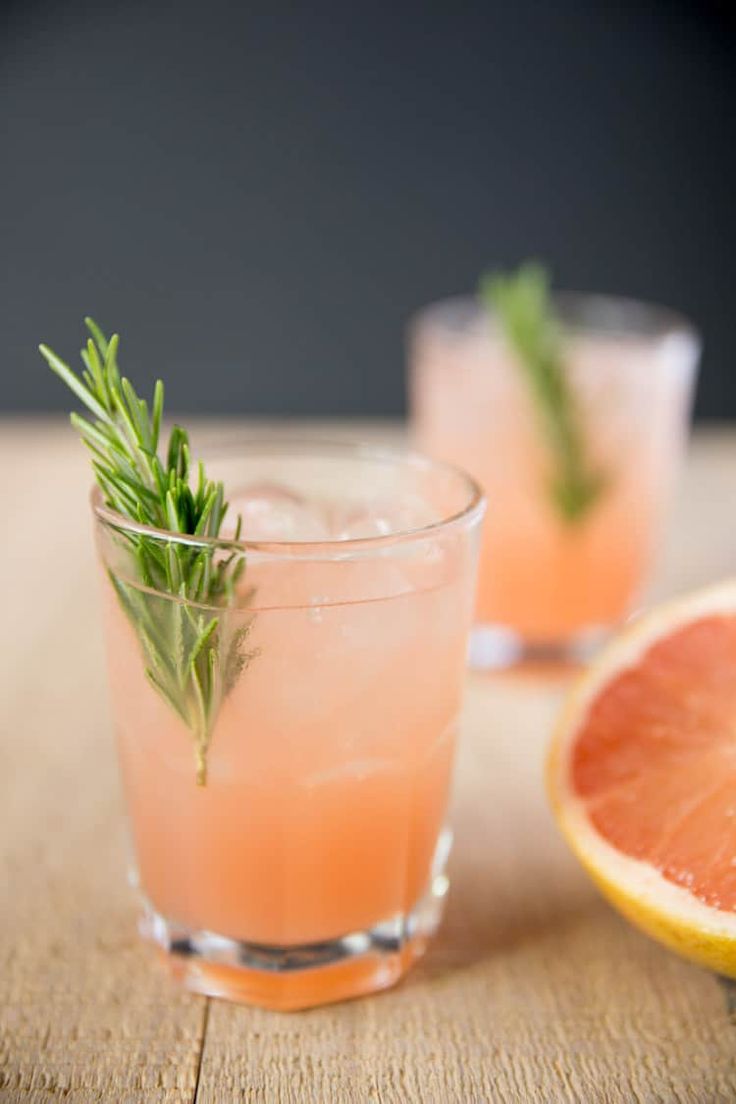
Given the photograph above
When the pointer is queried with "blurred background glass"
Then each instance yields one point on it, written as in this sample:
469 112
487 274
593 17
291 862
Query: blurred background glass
579 479
265 192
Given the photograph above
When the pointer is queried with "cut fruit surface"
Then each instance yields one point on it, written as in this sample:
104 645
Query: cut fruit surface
642 774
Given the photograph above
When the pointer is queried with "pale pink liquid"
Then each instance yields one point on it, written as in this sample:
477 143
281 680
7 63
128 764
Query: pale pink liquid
542 577
329 766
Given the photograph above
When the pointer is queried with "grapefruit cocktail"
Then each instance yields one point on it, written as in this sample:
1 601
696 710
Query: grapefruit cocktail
298 856
576 492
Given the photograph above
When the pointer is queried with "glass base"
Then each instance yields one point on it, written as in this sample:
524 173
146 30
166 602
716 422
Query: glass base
498 648
288 978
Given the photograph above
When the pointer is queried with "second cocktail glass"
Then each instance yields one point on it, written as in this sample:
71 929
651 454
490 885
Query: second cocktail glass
551 585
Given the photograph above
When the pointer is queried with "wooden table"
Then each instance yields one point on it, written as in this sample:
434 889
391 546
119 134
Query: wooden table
534 991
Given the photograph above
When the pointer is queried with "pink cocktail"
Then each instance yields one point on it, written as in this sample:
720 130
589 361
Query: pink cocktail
309 866
549 584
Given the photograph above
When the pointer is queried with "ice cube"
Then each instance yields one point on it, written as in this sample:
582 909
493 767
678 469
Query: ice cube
380 518
274 513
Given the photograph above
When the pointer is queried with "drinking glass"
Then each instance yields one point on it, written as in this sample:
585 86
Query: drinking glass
550 586
287 806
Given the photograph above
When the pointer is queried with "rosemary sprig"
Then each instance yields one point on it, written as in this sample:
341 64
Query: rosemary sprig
521 303
191 659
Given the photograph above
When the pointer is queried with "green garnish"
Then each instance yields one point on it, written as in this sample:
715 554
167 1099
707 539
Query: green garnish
191 658
521 303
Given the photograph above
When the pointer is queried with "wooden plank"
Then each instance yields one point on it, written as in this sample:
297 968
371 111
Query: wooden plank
534 990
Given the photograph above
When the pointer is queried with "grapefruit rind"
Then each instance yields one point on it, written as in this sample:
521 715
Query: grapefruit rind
669 913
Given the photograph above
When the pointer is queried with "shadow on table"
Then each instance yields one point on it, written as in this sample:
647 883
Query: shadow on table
559 675
495 925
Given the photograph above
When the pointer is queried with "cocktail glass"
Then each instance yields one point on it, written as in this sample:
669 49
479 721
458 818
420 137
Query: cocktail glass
551 587
299 858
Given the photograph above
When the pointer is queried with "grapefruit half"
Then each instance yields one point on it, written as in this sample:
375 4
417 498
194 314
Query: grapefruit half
642 775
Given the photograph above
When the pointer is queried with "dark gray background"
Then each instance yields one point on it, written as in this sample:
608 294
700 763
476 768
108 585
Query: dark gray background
258 194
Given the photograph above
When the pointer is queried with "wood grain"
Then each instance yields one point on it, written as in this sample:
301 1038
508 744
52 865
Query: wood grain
534 989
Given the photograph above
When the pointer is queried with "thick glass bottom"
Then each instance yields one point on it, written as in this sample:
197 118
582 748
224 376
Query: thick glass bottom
288 978
496 647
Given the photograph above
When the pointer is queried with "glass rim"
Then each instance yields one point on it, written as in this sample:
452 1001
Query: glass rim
660 320
331 547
